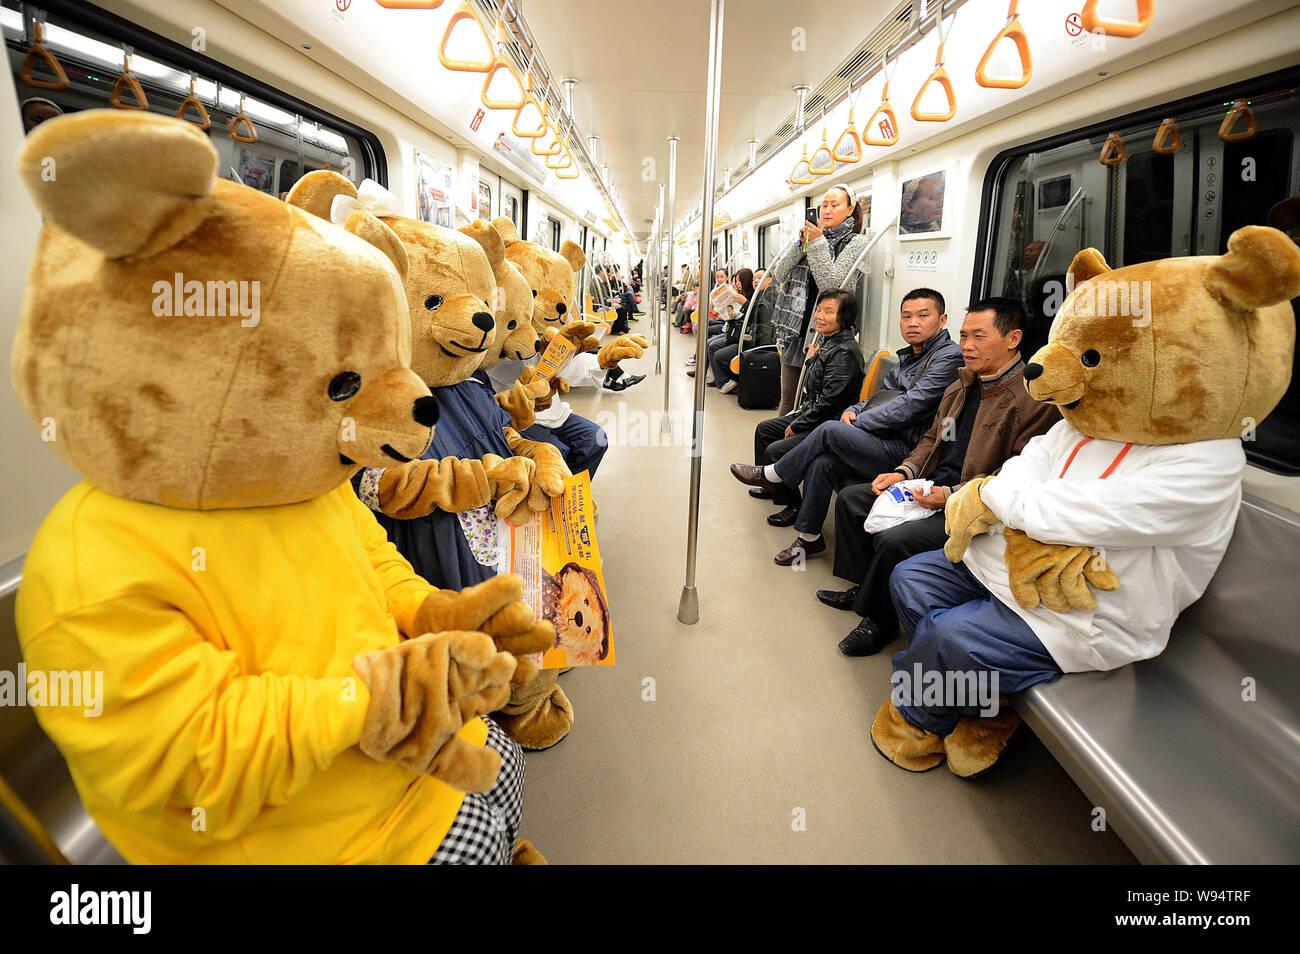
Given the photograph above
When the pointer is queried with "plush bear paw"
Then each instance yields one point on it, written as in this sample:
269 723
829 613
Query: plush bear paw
526 854
538 715
903 743
624 346
977 742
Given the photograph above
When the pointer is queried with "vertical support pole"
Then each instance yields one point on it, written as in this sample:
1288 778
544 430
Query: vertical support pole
659 284
665 425
688 607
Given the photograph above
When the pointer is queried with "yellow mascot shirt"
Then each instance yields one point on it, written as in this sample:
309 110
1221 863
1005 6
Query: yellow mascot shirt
230 710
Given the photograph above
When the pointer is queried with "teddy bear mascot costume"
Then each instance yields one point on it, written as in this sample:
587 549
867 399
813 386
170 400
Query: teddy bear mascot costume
1080 554
582 442
450 287
279 686
551 278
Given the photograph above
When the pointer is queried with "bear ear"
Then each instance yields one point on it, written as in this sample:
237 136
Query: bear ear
573 254
1261 268
368 227
1087 264
490 239
315 192
506 229
123 183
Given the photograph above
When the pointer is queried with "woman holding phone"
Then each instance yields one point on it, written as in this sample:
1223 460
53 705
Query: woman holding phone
817 260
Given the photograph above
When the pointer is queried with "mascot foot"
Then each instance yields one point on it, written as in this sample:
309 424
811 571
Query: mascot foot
526 854
543 723
977 743
903 743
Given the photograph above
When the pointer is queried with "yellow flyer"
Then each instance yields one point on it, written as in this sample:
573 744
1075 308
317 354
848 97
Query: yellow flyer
557 555
553 358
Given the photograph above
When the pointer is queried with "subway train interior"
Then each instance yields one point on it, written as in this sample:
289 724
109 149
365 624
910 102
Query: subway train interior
328 315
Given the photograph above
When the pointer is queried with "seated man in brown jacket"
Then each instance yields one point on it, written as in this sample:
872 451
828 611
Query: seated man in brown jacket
984 417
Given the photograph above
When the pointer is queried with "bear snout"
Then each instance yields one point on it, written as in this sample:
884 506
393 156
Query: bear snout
389 421
1055 374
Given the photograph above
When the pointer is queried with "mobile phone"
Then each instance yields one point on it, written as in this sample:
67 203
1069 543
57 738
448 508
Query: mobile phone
813 215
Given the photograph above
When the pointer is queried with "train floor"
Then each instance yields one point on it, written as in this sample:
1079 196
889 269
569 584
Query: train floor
745 738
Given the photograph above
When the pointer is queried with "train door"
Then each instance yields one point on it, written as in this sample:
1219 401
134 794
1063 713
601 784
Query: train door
512 205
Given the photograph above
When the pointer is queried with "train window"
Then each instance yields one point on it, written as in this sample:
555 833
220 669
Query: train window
484 200
293 137
1046 200
511 209
555 233
769 243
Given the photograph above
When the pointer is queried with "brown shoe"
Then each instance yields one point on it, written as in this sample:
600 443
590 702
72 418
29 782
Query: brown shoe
977 742
801 548
752 476
903 743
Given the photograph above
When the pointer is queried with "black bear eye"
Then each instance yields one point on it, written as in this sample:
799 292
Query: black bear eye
344 385
432 302
511 326
534 293
1090 358
586 602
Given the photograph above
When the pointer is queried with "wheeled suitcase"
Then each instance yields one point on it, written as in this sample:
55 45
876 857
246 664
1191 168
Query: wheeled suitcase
760 378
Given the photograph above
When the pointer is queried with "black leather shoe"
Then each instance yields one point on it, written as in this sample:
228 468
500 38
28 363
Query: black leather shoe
784 518
836 599
865 640
760 494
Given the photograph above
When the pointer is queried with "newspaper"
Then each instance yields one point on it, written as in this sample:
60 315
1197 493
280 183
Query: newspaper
724 300
557 555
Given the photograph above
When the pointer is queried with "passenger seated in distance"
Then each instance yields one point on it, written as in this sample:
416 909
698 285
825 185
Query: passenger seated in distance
984 417
833 380
868 437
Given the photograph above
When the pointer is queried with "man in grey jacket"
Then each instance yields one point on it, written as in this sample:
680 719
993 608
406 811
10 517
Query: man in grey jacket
869 438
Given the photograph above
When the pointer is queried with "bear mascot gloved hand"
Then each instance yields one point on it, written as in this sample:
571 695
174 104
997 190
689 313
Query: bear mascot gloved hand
218 365
1116 519
451 288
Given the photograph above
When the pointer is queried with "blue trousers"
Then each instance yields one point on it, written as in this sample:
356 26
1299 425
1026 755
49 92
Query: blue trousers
582 442
832 451
957 626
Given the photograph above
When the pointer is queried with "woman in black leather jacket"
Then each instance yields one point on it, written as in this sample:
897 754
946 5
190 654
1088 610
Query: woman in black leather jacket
831 383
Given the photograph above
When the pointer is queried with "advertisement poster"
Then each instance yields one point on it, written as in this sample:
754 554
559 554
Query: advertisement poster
922 206
257 171
557 555
435 182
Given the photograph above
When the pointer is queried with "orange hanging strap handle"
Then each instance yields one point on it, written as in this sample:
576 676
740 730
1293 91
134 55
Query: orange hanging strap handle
205 121
241 118
940 76
39 51
409 4
1112 150
1166 141
1146 10
463 12
827 167
1240 109
1014 30
848 148
889 123
128 81
807 177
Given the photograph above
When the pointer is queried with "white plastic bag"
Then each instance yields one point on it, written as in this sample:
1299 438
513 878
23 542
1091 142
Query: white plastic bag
897 505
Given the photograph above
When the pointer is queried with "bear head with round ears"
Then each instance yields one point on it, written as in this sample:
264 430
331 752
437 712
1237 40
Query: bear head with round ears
516 337
550 275
1176 350
197 344
450 283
